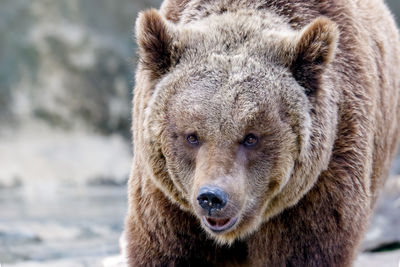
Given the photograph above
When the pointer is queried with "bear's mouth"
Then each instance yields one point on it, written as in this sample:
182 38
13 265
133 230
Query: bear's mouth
218 225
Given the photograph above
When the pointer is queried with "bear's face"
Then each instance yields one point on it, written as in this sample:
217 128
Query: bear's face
235 133
229 119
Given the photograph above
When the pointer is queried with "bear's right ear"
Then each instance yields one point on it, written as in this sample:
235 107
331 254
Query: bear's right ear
314 48
155 43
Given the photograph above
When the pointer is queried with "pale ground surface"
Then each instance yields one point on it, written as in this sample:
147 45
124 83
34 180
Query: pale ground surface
62 197
382 259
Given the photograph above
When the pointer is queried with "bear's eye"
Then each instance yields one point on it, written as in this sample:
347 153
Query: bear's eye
250 140
192 139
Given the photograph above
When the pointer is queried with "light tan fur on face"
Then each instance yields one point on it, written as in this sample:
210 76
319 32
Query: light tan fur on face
313 80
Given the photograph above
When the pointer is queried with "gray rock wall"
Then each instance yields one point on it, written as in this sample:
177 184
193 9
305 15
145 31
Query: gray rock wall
68 62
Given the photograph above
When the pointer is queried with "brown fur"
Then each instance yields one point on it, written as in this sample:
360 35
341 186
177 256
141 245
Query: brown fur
316 82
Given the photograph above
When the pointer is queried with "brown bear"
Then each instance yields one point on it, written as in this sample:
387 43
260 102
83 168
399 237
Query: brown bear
263 130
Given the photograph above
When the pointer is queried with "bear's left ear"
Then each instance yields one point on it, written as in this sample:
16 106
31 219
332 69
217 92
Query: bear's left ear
155 40
314 48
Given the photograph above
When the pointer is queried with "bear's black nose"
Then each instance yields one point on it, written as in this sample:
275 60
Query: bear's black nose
211 198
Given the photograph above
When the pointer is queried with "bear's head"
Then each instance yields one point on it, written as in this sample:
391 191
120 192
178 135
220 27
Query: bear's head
241 119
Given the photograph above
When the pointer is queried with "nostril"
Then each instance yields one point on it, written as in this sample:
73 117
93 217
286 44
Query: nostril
210 198
216 201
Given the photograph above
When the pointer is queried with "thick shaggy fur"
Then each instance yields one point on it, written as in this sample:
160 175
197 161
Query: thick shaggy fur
317 81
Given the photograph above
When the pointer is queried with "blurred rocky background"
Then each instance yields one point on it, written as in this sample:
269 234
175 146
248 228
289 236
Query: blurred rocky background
66 79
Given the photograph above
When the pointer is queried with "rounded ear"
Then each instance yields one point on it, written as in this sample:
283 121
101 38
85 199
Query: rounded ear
314 49
154 38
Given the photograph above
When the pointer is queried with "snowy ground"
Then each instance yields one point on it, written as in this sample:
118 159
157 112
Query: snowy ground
62 196
74 224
